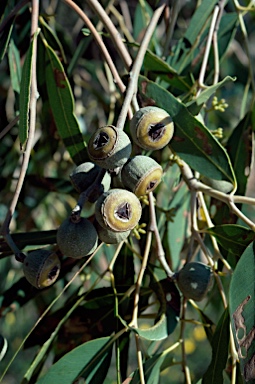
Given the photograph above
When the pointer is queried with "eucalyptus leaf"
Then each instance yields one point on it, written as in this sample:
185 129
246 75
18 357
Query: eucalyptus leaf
72 365
234 238
192 141
25 86
15 68
220 342
62 106
242 311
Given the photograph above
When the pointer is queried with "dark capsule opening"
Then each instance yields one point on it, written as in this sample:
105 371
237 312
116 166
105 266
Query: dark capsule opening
156 131
123 212
101 140
151 185
53 272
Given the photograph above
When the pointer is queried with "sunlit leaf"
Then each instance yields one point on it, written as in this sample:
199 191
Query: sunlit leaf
192 141
14 63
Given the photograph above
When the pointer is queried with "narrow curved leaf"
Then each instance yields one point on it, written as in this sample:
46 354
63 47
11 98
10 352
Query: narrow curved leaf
242 311
25 95
220 341
151 369
62 106
192 141
233 238
71 366
14 64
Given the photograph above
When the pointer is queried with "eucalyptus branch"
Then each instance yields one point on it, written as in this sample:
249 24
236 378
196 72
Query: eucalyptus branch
113 32
196 185
207 49
98 39
134 73
8 127
30 140
154 228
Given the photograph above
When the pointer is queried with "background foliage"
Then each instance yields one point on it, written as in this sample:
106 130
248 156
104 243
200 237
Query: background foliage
117 317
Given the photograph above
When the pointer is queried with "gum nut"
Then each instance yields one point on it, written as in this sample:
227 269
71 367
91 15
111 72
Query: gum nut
194 280
118 210
151 128
111 237
141 175
41 268
109 147
77 240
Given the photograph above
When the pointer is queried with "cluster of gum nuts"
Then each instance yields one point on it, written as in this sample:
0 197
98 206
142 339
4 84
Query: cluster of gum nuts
116 193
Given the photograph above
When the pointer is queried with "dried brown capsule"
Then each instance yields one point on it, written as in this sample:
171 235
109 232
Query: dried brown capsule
151 128
118 210
194 280
109 147
141 175
41 268
77 240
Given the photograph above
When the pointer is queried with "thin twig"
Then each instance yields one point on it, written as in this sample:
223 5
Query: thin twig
134 73
98 39
8 127
207 49
154 228
114 33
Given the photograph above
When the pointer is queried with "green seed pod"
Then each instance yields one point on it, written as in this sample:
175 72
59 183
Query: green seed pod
118 210
41 268
109 147
151 128
141 175
194 280
85 174
77 240
110 237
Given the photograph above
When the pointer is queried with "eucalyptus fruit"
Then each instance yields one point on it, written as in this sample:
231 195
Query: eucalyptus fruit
109 236
194 280
109 147
41 268
118 210
141 175
151 128
77 240
84 175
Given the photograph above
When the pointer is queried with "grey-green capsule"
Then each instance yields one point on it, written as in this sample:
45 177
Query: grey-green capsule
77 240
109 236
141 175
41 268
109 147
151 128
118 210
85 174
194 280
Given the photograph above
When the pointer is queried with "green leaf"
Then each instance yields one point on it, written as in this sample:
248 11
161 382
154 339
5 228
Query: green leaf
220 342
25 95
177 229
72 365
192 141
14 64
242 311
62 106
151 369
195 106
51 37
143 13
198 20
233 238
239 147
5 38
